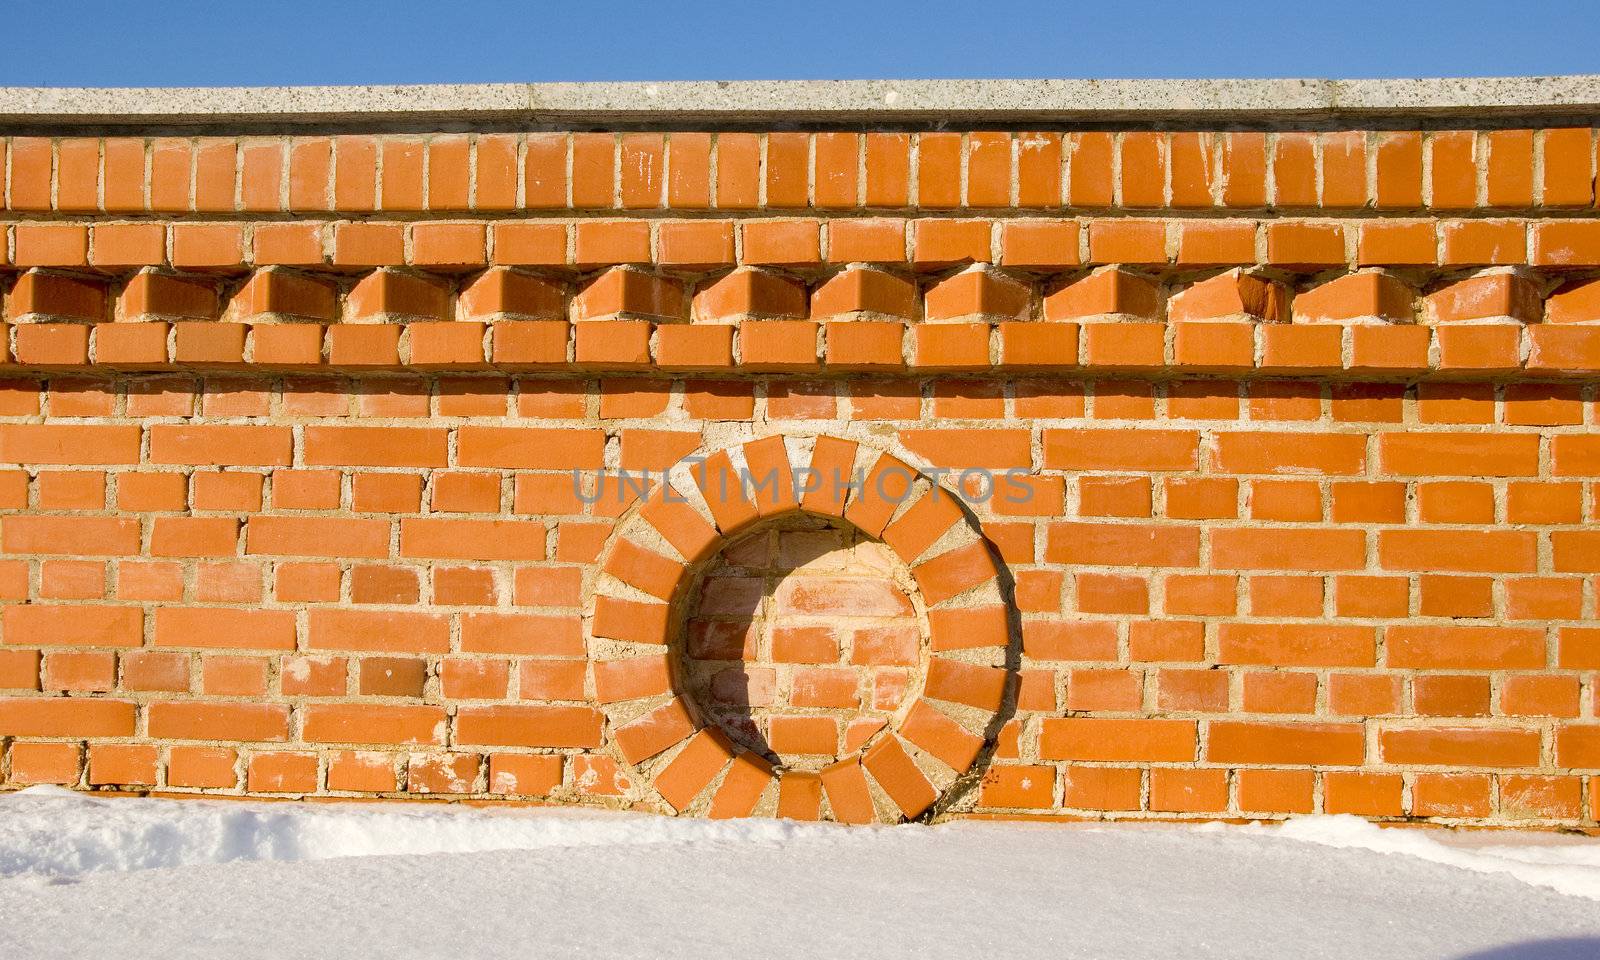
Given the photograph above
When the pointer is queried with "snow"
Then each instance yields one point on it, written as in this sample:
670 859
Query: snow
82 876
1547 860
51 833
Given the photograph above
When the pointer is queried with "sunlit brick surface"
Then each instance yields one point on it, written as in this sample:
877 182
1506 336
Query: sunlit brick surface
1192 473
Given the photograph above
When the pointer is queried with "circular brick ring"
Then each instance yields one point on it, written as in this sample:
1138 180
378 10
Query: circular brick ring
651 576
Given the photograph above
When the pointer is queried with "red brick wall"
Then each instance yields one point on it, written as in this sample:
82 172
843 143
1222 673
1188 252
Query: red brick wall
1305 424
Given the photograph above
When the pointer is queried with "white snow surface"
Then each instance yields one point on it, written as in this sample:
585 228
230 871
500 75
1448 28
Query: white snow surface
82 876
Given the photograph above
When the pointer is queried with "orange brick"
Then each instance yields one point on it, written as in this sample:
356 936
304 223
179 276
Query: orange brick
1018 787
1175 790
1398 170
1105 739
1362 794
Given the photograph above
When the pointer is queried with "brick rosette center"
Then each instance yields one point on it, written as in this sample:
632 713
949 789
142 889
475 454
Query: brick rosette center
804 642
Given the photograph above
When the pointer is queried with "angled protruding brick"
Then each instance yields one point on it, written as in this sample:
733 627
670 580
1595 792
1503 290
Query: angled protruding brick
1574 302
1369 295
503 293
1107 291
1229 295
275 293
384 295
40 297
161 296
978 291
631 291
1493 296
860 292
751 292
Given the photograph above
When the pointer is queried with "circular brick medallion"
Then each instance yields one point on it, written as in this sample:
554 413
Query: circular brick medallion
813 648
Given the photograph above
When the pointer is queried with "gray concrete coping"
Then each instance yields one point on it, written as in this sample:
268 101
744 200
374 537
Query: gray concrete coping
815 101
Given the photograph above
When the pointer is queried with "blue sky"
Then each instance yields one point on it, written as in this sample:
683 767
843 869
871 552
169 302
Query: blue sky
272 42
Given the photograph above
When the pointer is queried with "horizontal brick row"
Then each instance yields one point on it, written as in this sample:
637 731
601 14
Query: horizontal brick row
691 403
1276 595
513 724
56 619
1285 450
1276 598
693 246
1077 788
1472 671
1087 789
1238 347
191 768
1196 690
1425 497
380 676
1268 743
836 170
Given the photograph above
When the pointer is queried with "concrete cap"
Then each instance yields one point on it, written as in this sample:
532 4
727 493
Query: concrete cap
814 101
